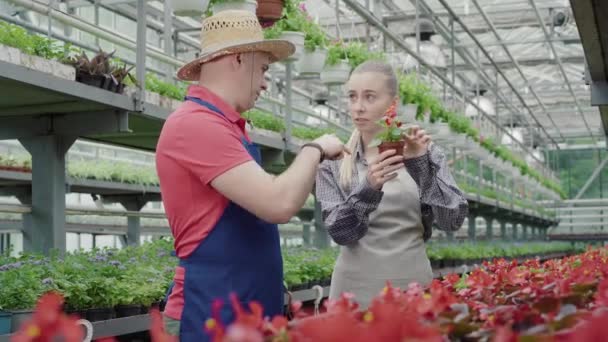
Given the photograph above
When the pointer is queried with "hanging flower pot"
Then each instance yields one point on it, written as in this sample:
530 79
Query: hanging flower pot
336 74
242 5
189 8
269 11
312 62
297 39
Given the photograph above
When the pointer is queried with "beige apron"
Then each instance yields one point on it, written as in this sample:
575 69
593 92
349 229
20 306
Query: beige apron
392 249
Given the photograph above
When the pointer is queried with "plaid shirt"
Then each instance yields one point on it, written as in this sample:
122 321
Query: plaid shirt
346 212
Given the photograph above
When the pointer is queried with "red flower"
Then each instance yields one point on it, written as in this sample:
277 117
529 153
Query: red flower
505 334
49 322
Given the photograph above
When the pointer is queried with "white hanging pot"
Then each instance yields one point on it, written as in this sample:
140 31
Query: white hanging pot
189 8
312 62
336 74
443 130
297 39
243 5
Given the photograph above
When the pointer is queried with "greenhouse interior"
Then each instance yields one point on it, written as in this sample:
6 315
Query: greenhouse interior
512 92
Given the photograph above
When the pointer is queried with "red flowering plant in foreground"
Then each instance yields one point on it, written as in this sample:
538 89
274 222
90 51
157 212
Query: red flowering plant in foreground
48 323
558 300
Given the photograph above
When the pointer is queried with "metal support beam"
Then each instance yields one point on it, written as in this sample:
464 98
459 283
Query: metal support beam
140 56
306 240
167 35
472 227
560 65
497 68
472 61
76 124
489 233
47 229
288 102
592 178
515 63
133 222
503 229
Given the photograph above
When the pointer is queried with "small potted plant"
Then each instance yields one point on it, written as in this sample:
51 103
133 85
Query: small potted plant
292 27
315 47
217 6
100 71
269 11
337 67
391 136
190 8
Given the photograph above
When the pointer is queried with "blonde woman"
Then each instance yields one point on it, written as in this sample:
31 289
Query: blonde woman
380 207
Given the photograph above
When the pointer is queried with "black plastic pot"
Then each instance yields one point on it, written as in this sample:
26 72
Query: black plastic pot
435 264
100 314
298 287
76 312
326 282
127 310
97 81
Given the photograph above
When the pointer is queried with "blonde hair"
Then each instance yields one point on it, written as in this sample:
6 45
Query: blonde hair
348 162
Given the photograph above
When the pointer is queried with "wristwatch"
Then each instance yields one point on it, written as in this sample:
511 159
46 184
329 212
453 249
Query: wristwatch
318 147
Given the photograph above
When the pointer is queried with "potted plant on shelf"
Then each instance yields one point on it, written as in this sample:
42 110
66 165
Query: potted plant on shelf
217 6
270 11
190 8
315 47
292 27
100 71
337 67
391 136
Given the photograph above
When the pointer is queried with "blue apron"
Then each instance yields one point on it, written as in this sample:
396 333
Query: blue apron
241 254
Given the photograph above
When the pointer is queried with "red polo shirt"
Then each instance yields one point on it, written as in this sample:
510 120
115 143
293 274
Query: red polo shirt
195 146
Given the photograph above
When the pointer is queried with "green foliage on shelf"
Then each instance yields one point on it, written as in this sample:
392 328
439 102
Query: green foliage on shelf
413 91
296 19
354 52
96 279
264 120
121 172
34 44
141 275
488 250
155 85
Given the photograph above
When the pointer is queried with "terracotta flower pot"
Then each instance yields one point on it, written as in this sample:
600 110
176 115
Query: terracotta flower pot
396 145
269 10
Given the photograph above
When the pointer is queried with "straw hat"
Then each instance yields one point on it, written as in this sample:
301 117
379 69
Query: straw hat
230 32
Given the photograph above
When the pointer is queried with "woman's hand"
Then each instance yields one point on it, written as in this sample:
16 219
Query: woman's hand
382 168
416 143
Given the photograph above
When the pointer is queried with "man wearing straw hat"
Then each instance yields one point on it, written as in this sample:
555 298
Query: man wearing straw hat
222 206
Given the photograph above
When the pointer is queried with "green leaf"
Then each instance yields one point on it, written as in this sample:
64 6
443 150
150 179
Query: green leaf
375 143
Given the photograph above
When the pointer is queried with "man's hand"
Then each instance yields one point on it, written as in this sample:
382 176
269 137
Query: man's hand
332 146
416 143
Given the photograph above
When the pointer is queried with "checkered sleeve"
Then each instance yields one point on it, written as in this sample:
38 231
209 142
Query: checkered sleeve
346 216
441 199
